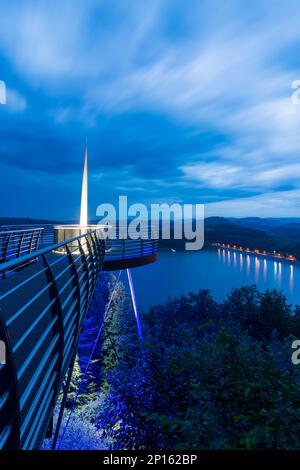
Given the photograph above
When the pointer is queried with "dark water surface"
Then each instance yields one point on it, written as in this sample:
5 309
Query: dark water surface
218 270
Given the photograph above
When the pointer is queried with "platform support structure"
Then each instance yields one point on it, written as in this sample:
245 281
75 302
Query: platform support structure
134 304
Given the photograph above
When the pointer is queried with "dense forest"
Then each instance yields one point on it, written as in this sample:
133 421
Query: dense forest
209 375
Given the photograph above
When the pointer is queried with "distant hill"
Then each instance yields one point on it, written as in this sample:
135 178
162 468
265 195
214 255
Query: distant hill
289 231
216 221
283 228
253 233
26 221
264 223
280 234
234 234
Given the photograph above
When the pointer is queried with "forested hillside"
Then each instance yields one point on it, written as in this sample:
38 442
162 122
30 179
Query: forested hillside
209 376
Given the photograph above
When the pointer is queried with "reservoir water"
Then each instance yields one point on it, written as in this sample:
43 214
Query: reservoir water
219 271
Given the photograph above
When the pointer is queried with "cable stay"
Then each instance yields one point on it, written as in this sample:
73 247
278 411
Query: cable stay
87 366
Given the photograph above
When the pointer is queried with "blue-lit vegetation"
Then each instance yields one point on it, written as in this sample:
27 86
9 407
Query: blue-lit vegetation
211 376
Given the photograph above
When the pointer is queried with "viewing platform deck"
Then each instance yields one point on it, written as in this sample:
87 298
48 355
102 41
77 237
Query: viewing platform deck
120 253
45 292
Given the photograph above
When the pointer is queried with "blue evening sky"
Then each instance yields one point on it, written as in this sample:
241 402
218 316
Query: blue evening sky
181 101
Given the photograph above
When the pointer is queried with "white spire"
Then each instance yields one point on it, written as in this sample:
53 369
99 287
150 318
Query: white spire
84 192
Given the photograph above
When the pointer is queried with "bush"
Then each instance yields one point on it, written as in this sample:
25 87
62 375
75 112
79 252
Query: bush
210 376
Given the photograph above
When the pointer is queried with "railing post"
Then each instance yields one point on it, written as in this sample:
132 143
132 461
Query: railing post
20 245
37 242
31 241
75 283
91 256
96 256
10 409
100 248
6 246
56 310
63 403
85 268
3 244
34 240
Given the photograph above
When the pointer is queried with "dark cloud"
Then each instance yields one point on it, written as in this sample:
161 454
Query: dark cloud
179 102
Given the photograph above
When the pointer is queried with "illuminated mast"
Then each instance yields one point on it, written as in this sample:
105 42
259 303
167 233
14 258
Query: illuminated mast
84 193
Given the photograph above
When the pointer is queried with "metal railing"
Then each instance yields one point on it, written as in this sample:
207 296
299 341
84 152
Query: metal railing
17 243
121 253
47 235
42 309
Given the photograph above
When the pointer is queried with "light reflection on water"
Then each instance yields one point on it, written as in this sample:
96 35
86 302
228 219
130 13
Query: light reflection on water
291 283
279 273
248 265
259 264
265 269
224 256
234 260
241 262
219 271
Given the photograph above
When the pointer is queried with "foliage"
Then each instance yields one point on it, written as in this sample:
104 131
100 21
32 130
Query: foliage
210 376
81 434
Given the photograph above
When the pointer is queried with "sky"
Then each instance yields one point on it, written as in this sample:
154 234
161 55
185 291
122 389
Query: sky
180 101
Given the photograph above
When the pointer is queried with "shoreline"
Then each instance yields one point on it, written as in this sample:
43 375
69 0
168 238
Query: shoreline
268 256
212 246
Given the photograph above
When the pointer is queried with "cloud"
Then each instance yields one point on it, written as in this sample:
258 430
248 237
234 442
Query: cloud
15 102
271 204
254 177
189 99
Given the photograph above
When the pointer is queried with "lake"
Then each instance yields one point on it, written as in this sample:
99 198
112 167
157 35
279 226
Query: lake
219 270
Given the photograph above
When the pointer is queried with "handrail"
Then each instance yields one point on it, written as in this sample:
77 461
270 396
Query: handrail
16 243
21 230
40 327
47 236
123 253
42 310
14 263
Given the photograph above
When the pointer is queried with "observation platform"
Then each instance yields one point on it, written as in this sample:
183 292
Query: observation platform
120 253
45 292
127 253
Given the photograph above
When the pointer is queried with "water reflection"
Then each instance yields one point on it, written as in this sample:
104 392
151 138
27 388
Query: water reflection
265 269
275 270
248 265
180 274
257 269
241 262
279 273
291 280
234 260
